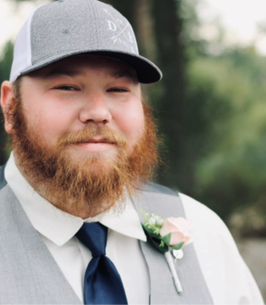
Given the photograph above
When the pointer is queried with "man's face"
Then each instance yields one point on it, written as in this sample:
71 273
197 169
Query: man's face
66 97
81 134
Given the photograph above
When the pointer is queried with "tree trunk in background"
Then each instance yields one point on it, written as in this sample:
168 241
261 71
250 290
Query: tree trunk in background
143 24
171 109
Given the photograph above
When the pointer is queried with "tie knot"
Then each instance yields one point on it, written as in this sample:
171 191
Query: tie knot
93 235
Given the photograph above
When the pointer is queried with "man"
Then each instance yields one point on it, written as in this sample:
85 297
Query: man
84 147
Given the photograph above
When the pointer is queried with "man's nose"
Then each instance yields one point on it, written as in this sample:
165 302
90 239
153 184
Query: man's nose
95 109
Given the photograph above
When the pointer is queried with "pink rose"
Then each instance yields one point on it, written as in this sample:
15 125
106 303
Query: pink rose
179 229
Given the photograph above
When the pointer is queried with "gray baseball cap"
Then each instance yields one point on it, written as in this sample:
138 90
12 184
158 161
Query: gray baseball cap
69 27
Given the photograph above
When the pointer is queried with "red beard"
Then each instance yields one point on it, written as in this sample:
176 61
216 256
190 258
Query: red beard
84 185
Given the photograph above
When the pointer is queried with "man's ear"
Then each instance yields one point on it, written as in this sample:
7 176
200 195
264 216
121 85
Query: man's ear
7 101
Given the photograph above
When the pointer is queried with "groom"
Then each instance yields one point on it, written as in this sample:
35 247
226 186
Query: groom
84 147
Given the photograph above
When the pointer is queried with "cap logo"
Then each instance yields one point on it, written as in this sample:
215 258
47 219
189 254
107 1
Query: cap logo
122 32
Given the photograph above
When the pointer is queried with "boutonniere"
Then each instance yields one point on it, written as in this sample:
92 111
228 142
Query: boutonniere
168 236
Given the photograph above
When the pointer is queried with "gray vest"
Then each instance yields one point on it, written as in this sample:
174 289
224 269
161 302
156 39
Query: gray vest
29 274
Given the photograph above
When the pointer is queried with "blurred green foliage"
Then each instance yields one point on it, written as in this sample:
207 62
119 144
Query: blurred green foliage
231 172
210 109
5 64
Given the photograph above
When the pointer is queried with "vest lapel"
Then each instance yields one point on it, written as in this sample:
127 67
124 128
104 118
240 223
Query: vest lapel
162 201
28 272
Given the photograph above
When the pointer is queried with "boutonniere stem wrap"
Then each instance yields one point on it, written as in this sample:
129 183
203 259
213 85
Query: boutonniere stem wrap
168 236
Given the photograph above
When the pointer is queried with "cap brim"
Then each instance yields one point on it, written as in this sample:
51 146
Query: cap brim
147 72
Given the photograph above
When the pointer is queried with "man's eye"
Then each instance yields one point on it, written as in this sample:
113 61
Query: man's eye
67 88
117 90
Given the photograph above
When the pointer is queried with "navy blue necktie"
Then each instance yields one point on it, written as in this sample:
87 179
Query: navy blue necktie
102 282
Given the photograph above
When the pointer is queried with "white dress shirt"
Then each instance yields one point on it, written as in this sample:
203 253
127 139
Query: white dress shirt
227 277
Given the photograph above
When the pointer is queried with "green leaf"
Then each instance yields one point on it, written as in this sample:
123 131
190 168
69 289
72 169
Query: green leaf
158 245
161 244
178 246
167 238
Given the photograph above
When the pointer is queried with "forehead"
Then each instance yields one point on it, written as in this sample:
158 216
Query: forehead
81 64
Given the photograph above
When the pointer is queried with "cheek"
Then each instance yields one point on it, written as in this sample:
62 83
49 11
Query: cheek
47 117
130 121
48 121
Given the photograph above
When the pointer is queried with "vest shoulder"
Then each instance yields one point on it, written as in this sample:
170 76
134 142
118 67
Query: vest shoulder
157 188
2 177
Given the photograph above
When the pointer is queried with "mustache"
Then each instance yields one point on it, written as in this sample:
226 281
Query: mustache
88 134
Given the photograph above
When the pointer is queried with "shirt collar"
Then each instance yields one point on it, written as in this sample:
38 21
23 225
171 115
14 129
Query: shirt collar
59 226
